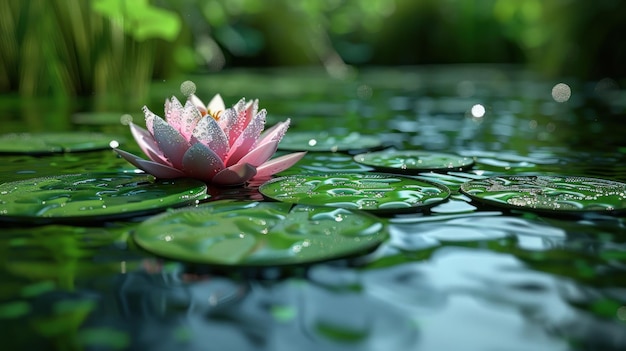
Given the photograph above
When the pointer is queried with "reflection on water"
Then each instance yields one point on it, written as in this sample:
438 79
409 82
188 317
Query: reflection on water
459 276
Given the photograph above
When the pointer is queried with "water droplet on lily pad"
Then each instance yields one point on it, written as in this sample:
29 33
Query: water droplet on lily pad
96 196
47 143
377 192
549 194
413 161
240 233
323 141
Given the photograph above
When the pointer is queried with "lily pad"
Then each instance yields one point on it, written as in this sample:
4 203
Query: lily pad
47 143
549 194
377 192
413 161
323 141
239 233
96 196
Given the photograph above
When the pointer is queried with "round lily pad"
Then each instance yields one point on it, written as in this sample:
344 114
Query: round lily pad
239 233
96 196
413 162
549 194
323 141
46 143
377 192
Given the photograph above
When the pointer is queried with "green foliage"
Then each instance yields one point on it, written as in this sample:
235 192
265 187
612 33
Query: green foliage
139 19
60 49
117 47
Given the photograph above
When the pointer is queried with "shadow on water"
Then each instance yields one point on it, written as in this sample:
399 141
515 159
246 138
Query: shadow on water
459 276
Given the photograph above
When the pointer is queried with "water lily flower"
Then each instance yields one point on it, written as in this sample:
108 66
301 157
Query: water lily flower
209 142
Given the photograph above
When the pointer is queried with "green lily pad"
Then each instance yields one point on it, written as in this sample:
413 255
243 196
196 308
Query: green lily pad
96 196
549 194
239 233
323 141
378 192
413 162
47 143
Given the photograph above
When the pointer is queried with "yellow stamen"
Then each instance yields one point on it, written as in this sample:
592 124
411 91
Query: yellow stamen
214 114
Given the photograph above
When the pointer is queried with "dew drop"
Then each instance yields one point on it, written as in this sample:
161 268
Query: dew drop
188 88
125 119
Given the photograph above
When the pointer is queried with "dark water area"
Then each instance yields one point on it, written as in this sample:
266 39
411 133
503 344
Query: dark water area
460 276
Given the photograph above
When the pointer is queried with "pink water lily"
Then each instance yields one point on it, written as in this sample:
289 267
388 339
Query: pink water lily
209 142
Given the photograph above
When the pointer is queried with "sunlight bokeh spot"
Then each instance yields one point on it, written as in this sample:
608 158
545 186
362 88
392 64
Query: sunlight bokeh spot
561 92
478 111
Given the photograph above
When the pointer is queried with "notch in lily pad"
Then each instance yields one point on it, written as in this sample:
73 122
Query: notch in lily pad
414 161
244 233
550 194
380 193
96 196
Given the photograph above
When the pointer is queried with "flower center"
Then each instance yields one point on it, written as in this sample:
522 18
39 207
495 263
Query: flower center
214 114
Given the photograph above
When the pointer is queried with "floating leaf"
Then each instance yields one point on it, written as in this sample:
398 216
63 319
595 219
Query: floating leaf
259 234
379 192
413 162
96 196
46 143
549 194
322 141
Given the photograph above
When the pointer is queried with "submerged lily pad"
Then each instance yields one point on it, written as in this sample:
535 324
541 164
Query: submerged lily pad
551 194
413 161
378 192
46 143
323 141
96 196
259 233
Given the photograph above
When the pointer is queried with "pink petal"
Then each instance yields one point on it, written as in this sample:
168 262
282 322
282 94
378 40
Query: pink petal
131 158
276 132
234 175
230 120
170 142
260 154
160 171
244 116
278 164
150 116
147 144
201 163
209 133
247 139
216 104
227 117
198 103
190 117
156 169
174 113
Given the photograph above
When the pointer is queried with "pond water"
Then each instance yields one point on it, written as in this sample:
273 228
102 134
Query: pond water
459 276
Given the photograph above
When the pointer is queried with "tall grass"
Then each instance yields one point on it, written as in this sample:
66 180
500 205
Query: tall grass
63 48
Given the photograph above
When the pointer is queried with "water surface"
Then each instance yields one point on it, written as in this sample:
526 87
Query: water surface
460 276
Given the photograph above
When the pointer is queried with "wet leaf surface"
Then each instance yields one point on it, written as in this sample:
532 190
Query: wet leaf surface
259 234
550 194
47 143
377 192
96 196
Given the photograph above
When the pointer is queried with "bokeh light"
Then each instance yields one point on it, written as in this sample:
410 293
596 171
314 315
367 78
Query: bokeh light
478 111
561 92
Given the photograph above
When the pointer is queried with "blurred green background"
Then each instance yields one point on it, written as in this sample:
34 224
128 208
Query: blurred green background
66 48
